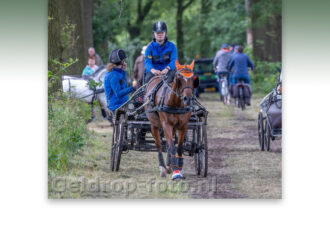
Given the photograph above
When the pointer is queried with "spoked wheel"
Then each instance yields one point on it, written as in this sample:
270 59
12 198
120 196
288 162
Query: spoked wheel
241 102
201 156
196 155
261 133
118 143
112 156
197 164
267 135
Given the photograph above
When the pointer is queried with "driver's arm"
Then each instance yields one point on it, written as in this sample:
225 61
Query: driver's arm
148 59
174 56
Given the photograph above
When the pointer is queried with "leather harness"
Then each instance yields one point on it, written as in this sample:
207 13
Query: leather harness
161 107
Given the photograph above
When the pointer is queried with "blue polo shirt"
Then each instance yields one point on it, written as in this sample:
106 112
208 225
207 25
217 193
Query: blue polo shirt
159 57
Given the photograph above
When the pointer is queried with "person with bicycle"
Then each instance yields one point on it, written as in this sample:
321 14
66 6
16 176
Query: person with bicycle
160 54
220 63
241 63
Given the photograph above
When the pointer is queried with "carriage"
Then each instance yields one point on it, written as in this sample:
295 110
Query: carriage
130 119
270 117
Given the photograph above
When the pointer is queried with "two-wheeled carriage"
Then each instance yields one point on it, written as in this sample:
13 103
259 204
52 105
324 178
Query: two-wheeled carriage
270 117
130 122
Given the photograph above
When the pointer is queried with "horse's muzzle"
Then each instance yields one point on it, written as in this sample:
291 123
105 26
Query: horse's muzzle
187 101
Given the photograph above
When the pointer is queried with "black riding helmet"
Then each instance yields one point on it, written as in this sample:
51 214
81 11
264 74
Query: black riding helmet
159 27
116 56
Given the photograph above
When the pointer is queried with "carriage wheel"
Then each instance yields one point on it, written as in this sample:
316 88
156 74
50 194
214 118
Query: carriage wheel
197 164
261 133
203 154
267 135
112 156
117 144
120 141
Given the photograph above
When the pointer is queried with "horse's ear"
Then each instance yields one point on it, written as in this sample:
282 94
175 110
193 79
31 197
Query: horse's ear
191 66
177 64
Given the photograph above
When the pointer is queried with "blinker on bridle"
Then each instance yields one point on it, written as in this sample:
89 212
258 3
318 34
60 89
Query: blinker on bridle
186 70
186 87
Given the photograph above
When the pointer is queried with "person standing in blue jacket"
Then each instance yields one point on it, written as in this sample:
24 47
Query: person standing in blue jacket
161 54
115 80
240 62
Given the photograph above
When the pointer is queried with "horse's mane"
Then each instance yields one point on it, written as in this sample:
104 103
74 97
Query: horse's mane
98 70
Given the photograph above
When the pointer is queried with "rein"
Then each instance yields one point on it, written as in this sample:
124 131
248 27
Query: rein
179 95
168 109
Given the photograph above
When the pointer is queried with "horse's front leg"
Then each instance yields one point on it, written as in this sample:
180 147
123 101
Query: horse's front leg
171 151
156 134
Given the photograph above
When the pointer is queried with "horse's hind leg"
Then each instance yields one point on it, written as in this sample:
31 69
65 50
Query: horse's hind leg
156 134
181 134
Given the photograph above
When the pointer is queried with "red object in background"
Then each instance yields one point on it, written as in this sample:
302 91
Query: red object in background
197 55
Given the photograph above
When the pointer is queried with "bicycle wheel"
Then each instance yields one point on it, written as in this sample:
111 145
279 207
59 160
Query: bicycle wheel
241 102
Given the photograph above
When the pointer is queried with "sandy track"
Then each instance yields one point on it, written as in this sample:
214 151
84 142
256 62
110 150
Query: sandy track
237 169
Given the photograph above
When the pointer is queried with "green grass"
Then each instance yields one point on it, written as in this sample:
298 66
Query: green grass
252 173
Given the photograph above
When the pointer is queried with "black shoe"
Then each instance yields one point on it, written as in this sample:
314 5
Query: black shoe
248 101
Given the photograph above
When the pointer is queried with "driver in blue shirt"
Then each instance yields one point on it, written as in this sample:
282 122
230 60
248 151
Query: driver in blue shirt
160 55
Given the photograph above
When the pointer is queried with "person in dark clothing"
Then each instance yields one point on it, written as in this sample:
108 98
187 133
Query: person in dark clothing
161 54
232 48
138 69
240 63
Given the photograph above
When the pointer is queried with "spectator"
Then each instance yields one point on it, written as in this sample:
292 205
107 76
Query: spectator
90 68
139 66
92 54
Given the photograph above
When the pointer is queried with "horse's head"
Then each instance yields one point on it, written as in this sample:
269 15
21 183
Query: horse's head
186 81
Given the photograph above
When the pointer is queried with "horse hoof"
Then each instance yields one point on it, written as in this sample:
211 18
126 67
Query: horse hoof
168 170
162 171
177 175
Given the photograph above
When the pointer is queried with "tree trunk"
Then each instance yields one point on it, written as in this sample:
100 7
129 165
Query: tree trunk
78 13
135 29
249 36
205 44
267 36
179 31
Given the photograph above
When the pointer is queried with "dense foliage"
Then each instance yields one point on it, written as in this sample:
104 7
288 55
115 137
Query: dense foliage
110 25
206 25
67 129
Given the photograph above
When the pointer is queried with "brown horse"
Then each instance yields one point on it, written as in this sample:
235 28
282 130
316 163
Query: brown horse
171 113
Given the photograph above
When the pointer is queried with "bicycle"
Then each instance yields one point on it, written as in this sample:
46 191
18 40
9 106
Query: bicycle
224 89
240 101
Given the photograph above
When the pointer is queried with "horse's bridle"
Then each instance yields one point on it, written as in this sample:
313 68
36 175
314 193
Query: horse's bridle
179 95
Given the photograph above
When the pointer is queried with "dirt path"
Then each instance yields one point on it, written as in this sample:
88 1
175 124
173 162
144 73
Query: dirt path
235 162
237 169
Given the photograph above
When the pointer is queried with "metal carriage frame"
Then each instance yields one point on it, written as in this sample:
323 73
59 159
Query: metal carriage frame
130 119
265 131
